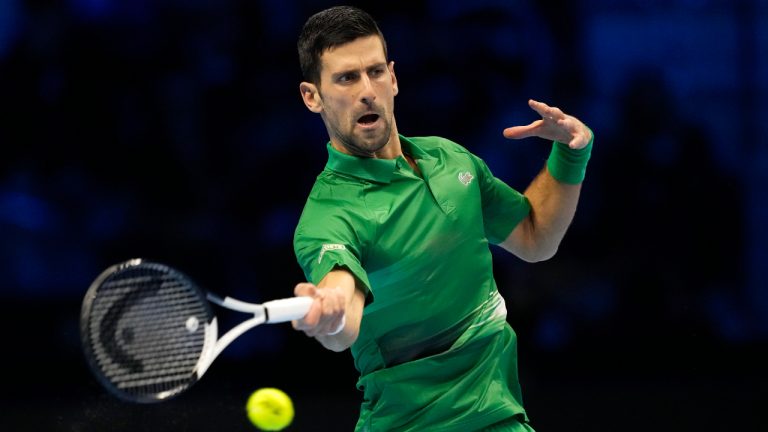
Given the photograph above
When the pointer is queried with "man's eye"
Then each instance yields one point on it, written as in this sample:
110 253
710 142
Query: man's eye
346 78
377 72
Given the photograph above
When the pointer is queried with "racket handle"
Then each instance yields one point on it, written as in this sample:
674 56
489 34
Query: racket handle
287 309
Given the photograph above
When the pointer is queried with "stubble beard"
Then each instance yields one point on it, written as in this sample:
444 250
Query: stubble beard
360 146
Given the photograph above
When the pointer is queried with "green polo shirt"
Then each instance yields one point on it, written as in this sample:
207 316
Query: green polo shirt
434 350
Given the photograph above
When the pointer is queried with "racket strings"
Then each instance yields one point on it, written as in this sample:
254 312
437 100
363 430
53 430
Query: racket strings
147 330
156 326
168 375
152 356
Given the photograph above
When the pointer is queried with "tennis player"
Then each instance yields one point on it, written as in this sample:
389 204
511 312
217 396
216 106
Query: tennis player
395 237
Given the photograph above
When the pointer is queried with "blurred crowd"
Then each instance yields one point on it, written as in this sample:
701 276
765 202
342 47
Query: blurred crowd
173 130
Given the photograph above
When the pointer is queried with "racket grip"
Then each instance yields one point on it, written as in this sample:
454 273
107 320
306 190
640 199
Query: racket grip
287 309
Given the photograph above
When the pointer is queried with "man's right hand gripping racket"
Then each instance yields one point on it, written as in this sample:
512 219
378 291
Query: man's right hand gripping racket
149 332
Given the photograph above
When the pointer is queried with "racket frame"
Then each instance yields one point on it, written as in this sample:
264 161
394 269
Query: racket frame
272 312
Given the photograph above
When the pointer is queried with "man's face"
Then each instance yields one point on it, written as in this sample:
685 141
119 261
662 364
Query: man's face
356 96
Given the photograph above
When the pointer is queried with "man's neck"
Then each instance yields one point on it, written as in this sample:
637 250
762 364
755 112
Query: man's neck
391 150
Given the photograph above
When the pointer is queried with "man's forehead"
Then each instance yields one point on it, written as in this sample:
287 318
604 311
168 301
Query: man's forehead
361 52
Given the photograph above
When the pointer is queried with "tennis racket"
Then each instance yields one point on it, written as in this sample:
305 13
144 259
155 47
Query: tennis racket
149 332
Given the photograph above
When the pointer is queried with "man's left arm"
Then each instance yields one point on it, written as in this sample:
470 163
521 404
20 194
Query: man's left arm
554 193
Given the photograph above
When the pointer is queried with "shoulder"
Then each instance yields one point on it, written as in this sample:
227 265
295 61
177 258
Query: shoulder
436 143
446 150
331 187
334 198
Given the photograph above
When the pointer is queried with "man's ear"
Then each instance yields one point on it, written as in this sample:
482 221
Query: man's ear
391 67
311 97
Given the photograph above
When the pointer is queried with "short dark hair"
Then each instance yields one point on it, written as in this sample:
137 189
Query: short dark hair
328 29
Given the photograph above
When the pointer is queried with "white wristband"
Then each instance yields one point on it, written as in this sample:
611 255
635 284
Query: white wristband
340 327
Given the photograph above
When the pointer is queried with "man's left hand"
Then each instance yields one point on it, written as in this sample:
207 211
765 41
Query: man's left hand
554 125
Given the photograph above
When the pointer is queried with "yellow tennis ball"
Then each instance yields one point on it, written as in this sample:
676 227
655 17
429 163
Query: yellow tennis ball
270 409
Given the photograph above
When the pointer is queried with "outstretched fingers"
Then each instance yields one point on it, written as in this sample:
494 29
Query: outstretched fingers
519 132
545 111
544 128
554 125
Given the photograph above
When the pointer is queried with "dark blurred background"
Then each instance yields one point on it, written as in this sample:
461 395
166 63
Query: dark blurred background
173 130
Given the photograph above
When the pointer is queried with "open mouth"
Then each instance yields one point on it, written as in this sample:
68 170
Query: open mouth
368 119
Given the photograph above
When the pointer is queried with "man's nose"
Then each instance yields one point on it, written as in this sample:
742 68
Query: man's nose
367 93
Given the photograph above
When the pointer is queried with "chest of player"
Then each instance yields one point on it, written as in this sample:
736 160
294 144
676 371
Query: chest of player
426 262
426 214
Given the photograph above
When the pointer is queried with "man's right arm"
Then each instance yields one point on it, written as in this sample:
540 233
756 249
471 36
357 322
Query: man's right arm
336 299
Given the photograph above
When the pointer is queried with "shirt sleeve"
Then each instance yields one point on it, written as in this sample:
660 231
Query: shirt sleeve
503 206
325 240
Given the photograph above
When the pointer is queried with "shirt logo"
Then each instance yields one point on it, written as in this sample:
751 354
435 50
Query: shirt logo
329 247
465 178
